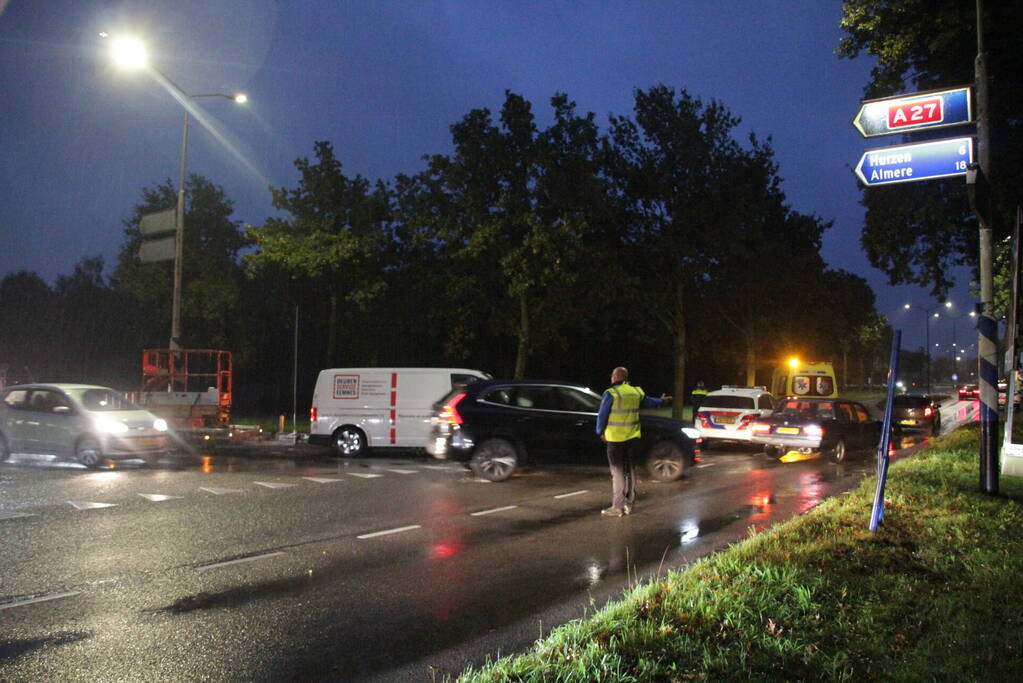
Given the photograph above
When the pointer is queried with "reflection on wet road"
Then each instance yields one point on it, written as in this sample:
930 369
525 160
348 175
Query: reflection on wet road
370 569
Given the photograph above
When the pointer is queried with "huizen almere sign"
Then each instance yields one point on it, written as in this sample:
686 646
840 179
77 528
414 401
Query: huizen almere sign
922 161
906 113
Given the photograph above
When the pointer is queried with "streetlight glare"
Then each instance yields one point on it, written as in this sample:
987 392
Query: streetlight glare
241 98
129 53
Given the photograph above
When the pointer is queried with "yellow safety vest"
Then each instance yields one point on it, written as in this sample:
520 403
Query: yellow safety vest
623 421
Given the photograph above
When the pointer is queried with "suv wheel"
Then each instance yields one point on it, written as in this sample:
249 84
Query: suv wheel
349 442
494 460
666 461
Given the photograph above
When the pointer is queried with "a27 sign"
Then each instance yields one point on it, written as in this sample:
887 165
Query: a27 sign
913 112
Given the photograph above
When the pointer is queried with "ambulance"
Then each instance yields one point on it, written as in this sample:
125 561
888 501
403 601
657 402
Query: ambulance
355 409
804 379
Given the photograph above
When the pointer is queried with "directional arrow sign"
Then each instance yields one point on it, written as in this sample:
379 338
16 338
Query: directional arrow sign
938 159
913 112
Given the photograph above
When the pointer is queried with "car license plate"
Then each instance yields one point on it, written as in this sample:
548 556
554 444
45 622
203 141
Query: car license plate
910 422
149 442
787 430
725 419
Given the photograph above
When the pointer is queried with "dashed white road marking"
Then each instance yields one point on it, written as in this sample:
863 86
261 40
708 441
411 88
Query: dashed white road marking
274 484
492 511
443 468
15 515
86 505
573 493
390 531
218 491
322 480
364 475
159 497
402 471
250 558
40 598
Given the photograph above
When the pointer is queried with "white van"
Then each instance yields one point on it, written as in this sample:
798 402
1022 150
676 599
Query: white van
355 409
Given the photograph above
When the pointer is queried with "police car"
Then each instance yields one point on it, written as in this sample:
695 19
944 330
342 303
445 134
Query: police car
726 414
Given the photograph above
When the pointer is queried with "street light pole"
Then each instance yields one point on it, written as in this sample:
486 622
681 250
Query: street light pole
927 336
131 53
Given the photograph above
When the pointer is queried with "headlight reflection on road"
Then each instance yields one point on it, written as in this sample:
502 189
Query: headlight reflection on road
689 531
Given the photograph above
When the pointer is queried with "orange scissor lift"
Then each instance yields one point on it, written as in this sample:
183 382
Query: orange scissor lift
192 390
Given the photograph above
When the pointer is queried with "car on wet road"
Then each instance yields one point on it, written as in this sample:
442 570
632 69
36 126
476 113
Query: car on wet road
496 427
90 424
726 414
817 425
915 412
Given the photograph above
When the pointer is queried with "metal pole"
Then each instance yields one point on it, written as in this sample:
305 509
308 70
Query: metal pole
179 243
294 383
927 356
987 327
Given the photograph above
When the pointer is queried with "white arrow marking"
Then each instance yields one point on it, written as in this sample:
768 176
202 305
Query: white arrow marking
322 480
84 505
218 491
274 484
158 497
402 471
364 475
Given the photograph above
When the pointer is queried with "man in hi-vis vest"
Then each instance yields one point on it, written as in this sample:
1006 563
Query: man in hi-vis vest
618 426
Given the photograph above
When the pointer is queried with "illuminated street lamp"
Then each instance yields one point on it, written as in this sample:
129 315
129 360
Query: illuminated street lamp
927 334
130 53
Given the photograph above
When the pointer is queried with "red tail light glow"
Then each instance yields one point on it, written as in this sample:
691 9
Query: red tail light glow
312 414
449 413
760 428
928 411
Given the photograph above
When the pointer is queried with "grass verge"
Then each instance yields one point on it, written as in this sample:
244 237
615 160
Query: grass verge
935 594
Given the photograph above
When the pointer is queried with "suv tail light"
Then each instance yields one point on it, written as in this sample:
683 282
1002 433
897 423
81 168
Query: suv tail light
312 414
928 411
449 413
760 428
813 430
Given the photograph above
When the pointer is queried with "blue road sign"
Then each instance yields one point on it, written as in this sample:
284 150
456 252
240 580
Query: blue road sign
923 161
906 113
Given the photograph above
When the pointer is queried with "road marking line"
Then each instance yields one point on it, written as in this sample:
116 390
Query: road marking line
240 560
443 468
15 515
85 505
274 484
322 480
159 497
42 598
403 471
390 531
218 491
573 493
364 475
492 511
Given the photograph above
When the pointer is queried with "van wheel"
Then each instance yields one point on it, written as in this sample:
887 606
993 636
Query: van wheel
666 461
349 442
494 460
89 453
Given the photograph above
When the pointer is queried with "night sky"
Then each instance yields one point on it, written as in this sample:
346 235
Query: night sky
383 81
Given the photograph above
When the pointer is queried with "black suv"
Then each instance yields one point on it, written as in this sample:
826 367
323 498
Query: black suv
495 426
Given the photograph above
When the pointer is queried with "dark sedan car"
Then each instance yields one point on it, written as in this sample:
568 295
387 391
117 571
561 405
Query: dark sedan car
915 412
826 425
497 426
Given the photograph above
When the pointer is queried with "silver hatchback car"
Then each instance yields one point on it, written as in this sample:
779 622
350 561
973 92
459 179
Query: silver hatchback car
90 424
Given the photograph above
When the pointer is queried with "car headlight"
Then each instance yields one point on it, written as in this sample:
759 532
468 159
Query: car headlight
105 424
160 424
693 434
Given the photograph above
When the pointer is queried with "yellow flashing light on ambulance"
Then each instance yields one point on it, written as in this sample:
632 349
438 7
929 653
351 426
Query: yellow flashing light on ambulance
796 378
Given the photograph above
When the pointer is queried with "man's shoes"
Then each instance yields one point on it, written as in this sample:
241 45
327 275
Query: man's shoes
612 512
627 509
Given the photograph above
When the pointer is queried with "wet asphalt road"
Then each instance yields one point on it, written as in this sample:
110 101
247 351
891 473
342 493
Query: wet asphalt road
258 567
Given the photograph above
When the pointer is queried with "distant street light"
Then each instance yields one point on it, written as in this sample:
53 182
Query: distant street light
130 53
927 334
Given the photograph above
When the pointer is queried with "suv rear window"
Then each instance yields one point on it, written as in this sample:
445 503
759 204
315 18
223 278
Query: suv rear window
728 401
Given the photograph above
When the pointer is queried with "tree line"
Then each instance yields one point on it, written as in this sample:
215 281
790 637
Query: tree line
662 241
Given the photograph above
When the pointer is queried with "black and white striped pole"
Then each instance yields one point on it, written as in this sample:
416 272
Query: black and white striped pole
987 326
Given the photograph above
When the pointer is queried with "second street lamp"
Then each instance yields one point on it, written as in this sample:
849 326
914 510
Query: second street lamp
927 334
131 53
